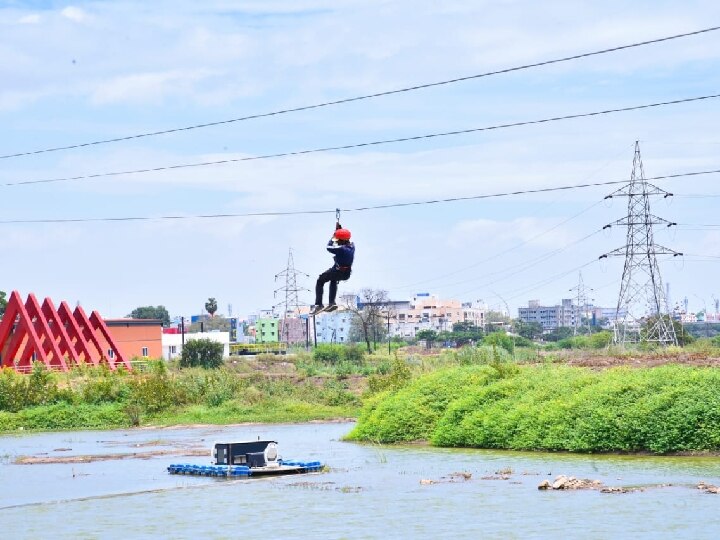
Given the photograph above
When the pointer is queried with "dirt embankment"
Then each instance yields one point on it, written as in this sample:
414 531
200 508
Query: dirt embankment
600 361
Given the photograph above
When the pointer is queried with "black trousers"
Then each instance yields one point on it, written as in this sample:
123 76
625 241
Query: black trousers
332 275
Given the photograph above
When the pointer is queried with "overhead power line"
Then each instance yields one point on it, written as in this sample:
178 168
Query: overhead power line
500 253
358 145
365 97
356 209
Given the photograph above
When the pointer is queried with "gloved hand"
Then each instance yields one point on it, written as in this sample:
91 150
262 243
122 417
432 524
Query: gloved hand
338 226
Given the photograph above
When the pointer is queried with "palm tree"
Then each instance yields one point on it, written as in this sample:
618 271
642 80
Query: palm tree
211 306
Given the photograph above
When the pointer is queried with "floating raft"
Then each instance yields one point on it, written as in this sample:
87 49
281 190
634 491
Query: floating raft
283 467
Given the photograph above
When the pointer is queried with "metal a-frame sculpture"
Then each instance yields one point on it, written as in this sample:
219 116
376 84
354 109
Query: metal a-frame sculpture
57 338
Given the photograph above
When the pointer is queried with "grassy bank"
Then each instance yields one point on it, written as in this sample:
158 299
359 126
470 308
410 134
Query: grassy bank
664 409
96 398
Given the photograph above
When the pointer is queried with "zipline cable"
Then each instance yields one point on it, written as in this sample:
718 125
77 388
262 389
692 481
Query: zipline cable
364 97
361 145
357 209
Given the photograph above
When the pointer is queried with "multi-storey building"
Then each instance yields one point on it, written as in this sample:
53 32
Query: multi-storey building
551 317
266 331
430 312
333 327
566 314
294 329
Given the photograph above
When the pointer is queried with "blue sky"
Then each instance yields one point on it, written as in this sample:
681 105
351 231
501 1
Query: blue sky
77 72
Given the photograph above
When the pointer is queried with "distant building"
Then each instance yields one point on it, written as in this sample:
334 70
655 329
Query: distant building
172 343
430 312
333 327
293 329
137 338
266 331
564 314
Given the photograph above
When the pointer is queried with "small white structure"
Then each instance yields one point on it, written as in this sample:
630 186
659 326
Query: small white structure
172 343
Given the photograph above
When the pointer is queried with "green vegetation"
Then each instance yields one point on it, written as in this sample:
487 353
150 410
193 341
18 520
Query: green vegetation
211 306
202 353
3 303
664 409
151 312
501 393
163 395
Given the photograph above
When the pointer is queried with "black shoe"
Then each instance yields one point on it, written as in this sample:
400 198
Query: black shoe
331 307
317 309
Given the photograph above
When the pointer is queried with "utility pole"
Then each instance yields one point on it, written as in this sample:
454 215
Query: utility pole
581 303
641 300
291 304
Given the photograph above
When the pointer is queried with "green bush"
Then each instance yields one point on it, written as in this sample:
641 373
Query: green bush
664 409
204 353
65 416
354 353
600 340
521 341
398 376
329 353
153 391
42 386
574 342
335 393
410 412
13 390
500 339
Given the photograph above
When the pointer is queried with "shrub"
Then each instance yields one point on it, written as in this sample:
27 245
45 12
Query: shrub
500 339
153 391
329 353
41 386
601 340
411 411
204 353
13 390
664 409
354 353
398 376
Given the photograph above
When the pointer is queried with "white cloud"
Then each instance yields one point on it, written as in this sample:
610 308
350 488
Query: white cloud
74 14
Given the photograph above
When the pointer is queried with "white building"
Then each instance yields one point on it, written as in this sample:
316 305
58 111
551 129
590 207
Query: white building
172 343
333 327
564 314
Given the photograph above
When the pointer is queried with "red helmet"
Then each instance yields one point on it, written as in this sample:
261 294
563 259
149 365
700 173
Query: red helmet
342 234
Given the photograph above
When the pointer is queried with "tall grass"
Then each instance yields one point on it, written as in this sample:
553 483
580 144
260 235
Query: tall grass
665 409
98 397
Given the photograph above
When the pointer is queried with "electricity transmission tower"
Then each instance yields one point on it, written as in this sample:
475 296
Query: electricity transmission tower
581 303
639 315
291 304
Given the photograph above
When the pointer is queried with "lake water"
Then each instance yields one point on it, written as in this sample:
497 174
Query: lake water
370 491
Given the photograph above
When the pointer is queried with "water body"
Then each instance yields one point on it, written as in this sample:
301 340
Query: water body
370 492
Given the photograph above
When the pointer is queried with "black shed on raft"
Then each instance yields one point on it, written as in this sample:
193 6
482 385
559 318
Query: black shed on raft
246 459
250 453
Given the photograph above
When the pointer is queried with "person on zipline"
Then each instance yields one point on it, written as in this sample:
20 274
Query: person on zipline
344 251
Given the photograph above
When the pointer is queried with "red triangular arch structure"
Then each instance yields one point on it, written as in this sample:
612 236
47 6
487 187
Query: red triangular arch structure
57 338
